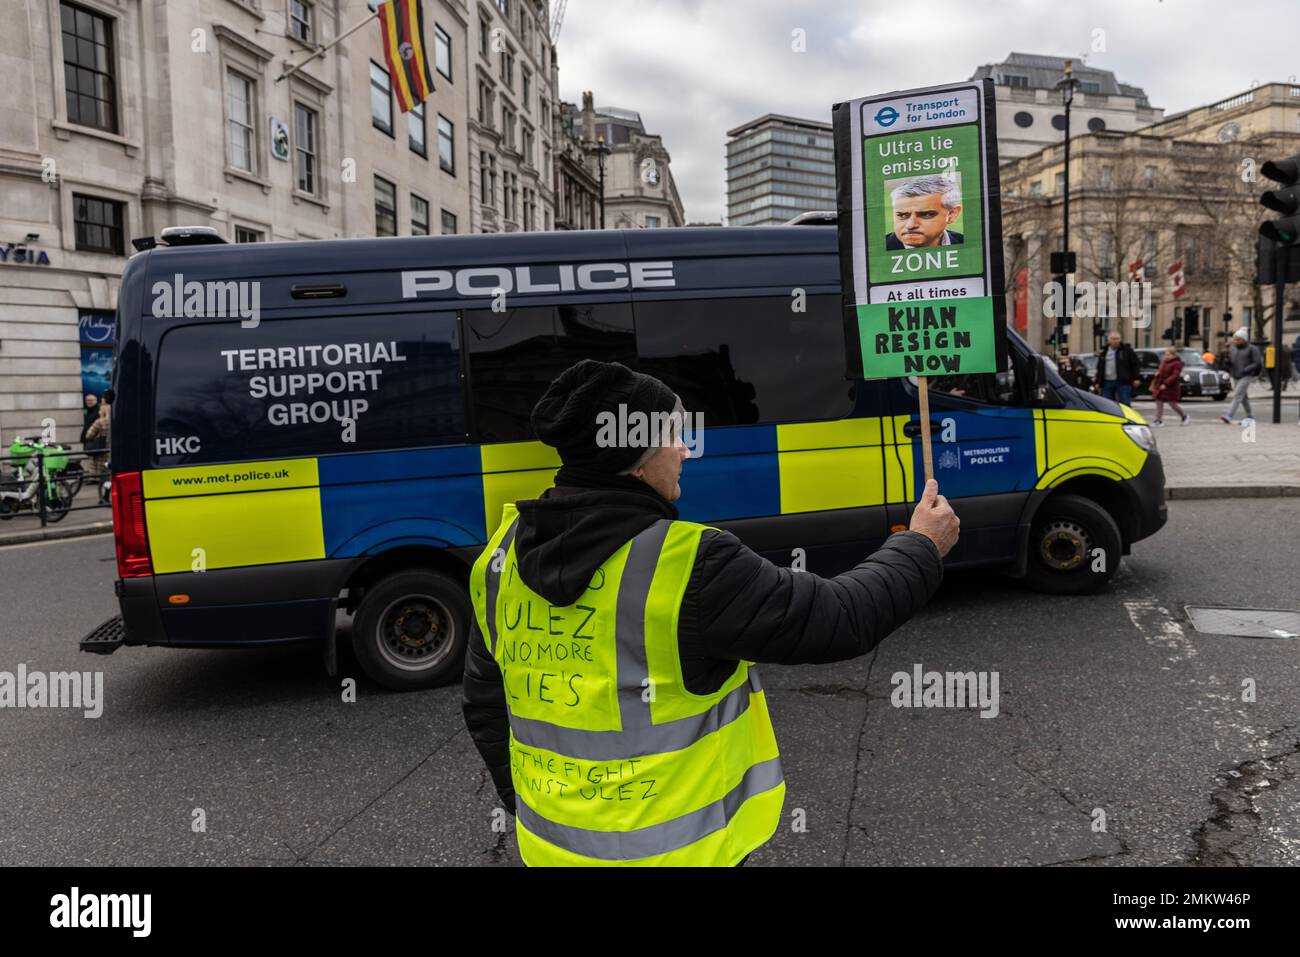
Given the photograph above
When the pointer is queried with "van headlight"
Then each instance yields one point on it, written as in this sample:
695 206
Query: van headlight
1140 434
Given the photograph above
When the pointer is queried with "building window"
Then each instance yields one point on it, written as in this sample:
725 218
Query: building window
419 216
1107 177
485 105
301 14
527 87
446 145
415 131
98 224
88 68
504 7
510 195
652 222
528 144
442 51
484 37
385 207
1036 188
528 198
1024 120
304 146
239 107
1013 79
245 235
508 67
1060 182
1149 176
507 127
448 223
381 98
487 178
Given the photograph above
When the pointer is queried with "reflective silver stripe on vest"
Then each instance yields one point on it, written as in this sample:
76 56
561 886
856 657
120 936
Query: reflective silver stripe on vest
635 742
657 838
494 582
629 625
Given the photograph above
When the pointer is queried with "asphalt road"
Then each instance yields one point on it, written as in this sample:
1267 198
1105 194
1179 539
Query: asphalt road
1110 704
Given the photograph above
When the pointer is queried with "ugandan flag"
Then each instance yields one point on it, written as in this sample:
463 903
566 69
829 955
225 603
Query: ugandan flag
402 24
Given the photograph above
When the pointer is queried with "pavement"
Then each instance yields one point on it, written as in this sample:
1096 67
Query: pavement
1208 459
1122 736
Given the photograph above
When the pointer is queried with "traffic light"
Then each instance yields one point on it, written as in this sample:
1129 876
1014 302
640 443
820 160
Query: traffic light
1284 230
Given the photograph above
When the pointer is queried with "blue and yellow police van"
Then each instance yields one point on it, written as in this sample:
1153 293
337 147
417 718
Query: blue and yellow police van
305 427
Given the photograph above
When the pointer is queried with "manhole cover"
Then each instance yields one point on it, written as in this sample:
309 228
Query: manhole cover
1245 622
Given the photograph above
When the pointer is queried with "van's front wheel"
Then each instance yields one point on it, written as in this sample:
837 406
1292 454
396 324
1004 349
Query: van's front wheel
411 629
1074 546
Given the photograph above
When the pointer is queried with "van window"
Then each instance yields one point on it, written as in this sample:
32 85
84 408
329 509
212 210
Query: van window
514 355
287 388
742 361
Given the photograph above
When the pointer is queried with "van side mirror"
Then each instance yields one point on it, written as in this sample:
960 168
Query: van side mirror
1040 388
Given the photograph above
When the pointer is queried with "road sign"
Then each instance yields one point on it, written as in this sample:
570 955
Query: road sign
920 229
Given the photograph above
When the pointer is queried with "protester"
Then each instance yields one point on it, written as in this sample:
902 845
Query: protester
1244 364
670 617
1167 386
1117 369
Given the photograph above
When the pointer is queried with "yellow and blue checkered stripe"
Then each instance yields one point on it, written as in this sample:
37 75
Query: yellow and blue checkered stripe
342 506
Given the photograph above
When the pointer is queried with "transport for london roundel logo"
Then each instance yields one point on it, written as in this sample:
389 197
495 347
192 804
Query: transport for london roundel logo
886 115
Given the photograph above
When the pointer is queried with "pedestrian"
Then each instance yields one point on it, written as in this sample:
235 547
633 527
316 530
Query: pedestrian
89 415
1244 364
1167 386
98 438
610 683
1117 369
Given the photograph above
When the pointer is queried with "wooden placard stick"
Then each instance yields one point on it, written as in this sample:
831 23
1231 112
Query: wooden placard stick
927 456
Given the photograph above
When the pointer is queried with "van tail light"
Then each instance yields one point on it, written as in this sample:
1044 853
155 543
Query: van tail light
129 533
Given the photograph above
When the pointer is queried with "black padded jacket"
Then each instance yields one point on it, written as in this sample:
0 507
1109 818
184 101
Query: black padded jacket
737 604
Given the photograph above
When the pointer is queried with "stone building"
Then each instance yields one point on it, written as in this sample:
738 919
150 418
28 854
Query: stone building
1182 190
640 192
1030 111
119 118
512 116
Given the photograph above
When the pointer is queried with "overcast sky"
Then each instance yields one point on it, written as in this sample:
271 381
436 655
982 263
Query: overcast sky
697 68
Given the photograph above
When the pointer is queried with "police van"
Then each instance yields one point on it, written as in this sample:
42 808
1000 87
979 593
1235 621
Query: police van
305 427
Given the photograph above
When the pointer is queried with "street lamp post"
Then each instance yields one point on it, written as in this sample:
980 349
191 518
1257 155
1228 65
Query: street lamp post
1066 84
601 151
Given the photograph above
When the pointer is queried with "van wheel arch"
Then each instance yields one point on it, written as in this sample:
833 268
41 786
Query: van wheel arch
372 568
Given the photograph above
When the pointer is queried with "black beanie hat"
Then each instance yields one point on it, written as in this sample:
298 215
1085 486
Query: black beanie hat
565 417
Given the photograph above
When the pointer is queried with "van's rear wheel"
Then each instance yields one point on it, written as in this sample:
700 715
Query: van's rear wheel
1074 546
411 629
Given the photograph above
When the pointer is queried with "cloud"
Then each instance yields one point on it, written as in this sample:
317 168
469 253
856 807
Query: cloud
694 69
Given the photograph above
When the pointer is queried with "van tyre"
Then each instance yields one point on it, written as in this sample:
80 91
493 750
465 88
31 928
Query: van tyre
1063 542
411 629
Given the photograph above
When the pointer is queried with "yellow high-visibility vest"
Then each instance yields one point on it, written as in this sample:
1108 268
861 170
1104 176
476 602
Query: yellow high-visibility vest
613 761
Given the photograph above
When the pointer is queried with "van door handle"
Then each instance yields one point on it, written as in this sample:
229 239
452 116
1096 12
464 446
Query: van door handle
913 429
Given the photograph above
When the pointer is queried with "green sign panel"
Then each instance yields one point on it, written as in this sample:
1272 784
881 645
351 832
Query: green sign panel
920 232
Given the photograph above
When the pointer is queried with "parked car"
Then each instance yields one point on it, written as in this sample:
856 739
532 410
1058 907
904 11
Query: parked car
1199 378
1083 366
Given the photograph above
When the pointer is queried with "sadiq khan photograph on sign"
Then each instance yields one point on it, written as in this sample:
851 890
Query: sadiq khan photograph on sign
923 209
